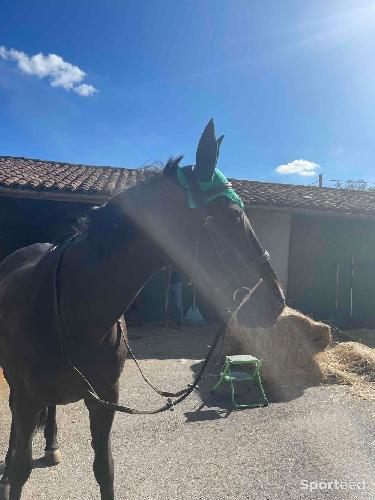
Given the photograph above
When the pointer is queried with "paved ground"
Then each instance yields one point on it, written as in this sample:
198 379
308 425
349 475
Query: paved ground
210 453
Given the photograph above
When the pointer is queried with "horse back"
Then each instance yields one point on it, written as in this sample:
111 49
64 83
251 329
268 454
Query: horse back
23 258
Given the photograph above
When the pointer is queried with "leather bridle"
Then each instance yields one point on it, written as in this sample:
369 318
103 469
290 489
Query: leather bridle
206 225
254 264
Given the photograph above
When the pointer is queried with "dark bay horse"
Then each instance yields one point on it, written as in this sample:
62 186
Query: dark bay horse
189 217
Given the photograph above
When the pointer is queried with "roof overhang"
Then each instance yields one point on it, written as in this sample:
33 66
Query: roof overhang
98 199
303 211
55 195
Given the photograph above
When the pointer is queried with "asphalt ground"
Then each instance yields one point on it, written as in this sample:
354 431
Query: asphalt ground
317 444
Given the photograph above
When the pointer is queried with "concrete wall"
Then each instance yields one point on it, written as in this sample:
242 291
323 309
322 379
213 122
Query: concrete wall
273 230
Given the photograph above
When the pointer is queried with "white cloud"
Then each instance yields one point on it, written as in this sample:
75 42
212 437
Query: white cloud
301 167
59 72
85 90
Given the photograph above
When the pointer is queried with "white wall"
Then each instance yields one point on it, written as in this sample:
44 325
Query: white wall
273 230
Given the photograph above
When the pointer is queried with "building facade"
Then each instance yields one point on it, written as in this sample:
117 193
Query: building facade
321 240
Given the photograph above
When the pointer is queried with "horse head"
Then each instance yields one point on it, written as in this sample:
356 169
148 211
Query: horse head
226 258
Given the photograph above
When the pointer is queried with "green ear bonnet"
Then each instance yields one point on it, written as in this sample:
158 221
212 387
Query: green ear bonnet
218 180
205 182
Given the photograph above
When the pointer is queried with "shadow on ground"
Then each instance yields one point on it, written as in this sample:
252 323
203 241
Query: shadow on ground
218 404
38 463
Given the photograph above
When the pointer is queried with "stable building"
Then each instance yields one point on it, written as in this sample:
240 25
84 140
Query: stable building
321 240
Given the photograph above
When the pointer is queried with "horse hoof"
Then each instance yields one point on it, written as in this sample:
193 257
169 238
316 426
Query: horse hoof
4 491
52 457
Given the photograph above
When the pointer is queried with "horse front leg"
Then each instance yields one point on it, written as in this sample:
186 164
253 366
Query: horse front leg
52 454
101 420
25 415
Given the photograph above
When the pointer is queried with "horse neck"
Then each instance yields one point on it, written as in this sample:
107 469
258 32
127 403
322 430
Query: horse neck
97 289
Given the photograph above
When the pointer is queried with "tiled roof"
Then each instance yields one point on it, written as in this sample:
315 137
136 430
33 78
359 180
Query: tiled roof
299 197
50 177
40 175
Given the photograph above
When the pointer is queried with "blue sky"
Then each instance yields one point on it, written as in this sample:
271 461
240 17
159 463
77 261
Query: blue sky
284 81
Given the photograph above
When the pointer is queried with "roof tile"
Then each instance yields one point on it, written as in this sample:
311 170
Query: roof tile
292 196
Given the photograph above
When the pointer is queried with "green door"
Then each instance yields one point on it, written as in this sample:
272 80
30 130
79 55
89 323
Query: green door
332 268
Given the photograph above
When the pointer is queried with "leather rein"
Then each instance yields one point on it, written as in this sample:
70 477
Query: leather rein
180 395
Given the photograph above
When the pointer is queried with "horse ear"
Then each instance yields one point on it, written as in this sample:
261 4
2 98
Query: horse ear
171 166
207 153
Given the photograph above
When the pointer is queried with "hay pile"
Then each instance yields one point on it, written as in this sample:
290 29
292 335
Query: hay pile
350 363
298 351
288 349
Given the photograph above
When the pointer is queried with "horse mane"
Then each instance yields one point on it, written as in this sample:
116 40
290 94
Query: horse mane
100 220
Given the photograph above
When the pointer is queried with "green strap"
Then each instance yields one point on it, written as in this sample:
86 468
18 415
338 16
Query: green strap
218 179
